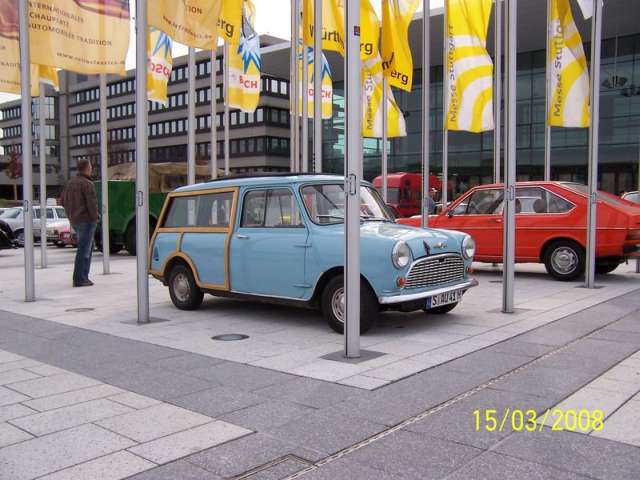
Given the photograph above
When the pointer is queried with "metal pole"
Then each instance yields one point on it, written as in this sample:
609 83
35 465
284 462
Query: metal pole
27 185
296 91
426 112
292 88
353 176
509 220
225 119
317 86
104 178
547 101
142 169
191 117
445 111
497 88
214 117
385 153
42 150
305 109
596 40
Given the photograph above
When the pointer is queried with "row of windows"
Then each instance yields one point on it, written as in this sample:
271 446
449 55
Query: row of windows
51 150
49 108
12 132
11 113
121 88
84 118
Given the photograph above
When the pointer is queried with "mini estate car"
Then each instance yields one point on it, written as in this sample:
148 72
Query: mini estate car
280 238
551 220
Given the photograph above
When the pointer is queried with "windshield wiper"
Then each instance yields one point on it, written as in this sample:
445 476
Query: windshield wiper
339 217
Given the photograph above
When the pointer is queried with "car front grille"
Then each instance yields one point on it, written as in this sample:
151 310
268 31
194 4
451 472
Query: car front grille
436 270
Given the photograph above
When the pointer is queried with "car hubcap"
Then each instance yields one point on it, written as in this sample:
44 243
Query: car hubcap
181 287
564 260
337 304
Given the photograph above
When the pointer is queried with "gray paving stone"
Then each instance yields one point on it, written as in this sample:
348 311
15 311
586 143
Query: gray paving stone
178 445
180 470
8 397
623 425
310 392
187 362
326 431
280 470
271 413
58 451
166 387
71 416
134 400
490 466
14 376
413 456
243 377
247 453
153 422
45 386
10 435
582 454
518 347
72 398
618 336
218 401
552 383
346 468
26 363
457 423
491 363
115 466
8 357
16 410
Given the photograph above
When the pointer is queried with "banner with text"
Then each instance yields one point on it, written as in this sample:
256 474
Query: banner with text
193 23
327 86
244 65
372 124
396 52
159 65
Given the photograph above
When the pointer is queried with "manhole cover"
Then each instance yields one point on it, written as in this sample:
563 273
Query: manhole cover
230 337
495 281
80 310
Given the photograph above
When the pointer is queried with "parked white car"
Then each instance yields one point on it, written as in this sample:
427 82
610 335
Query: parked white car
56 221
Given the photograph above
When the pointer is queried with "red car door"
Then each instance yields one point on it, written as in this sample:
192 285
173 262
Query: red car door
476 214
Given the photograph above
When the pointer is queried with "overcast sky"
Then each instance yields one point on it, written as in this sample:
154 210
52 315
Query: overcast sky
272 18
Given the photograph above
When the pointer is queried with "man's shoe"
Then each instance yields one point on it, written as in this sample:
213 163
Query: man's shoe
85 283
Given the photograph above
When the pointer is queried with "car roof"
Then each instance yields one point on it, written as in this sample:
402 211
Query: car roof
530 183
264 179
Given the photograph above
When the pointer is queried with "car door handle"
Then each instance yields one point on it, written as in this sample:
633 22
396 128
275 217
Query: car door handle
239 236
497 220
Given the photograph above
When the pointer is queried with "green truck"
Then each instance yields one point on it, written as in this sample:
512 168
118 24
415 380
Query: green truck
122 214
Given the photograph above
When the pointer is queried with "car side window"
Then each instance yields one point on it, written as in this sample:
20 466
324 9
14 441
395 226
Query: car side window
275 208
558 204
484 202
209 210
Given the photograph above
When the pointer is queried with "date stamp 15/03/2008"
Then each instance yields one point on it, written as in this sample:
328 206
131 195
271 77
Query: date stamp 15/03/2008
518 420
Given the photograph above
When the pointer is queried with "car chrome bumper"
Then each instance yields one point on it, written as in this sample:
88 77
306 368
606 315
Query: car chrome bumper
419 296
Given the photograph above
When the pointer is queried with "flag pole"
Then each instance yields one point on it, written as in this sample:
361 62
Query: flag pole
225 119
191 117
497 86
547 101
596 39
296 90
42 151
27 185
317 86
426 83
305 109
292 87
353 176
104 179
509 217
142 168
445 110
214 116
385 166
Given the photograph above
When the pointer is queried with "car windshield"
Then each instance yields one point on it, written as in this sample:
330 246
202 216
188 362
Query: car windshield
325 204
11 213
632 197
602 196
61 212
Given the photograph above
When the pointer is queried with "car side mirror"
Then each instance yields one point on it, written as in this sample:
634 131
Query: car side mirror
450 213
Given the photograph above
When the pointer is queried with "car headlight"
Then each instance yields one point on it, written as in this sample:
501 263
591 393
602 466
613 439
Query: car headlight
401 255
468 247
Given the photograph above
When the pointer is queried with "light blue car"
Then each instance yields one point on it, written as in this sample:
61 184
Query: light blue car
279 238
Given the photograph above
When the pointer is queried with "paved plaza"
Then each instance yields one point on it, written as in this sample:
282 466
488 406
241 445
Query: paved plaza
87 393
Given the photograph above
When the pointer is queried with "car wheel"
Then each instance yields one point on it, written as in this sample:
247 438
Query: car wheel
333 305
441 309
564 260
184 292
60 244
20 237
130 239
606 266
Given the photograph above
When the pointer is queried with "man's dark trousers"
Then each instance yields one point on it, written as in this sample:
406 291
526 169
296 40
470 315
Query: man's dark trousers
85 232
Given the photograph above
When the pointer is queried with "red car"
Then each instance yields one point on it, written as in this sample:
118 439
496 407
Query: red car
551 220
404 191
66 236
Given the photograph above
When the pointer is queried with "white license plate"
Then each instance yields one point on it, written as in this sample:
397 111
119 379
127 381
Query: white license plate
445 298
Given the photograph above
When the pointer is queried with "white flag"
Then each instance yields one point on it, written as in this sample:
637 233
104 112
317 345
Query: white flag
587 8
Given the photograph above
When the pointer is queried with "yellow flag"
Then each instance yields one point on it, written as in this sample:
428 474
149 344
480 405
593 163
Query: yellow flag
333 27
469 66
10 59
327 87
569 105
372 104
396 52
159 65
85 36
244 65
192 23
230 21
